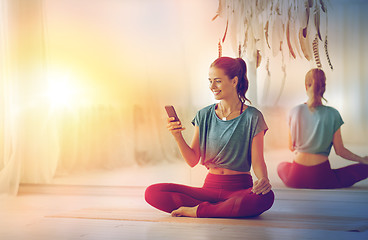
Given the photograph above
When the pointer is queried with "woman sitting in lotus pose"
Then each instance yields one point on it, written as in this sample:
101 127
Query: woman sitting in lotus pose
314 129
228 140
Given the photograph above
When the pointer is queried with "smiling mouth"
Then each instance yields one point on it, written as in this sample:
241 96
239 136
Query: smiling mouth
216 92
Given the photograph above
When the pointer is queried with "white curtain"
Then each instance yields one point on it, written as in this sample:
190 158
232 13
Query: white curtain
84 83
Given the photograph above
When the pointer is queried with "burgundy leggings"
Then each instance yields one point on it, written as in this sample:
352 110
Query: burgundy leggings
321 176
221 196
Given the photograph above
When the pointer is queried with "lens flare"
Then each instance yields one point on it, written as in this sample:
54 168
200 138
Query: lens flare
61 91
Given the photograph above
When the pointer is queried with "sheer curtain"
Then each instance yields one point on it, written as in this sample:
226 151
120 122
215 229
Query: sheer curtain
84 83
28 135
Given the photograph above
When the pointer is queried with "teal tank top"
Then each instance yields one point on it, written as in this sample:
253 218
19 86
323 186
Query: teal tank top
228 144
312 132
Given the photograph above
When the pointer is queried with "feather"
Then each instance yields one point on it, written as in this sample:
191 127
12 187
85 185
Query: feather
288 34
250 50
307 9
294 34
277 34
213 19
327 56
259 59
304 44
317 21
267 82
323 6
288 39
220 10
316 52
267 34
310 3
227 25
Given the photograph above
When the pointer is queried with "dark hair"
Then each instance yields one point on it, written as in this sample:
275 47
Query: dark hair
317 78
235 67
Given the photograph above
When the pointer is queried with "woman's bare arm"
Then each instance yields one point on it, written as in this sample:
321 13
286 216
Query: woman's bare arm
343 152
262 185
291 147
191 154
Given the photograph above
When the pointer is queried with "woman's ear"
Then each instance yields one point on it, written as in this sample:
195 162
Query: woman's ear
235 81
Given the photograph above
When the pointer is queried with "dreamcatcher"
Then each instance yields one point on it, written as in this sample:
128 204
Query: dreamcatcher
257 29
262 29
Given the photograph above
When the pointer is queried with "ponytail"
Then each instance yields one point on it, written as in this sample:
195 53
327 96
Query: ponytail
243 82
317 78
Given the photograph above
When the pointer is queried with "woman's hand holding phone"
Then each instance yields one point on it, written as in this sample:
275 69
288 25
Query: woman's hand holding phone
173 122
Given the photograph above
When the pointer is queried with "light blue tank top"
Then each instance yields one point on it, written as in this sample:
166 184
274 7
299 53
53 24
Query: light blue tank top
228 144
313 131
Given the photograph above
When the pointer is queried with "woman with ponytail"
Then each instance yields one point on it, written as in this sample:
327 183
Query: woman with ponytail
228 140
314 129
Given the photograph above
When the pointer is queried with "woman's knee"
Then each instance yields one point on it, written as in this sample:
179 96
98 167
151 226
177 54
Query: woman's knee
255 204
152 191
283 170
266 201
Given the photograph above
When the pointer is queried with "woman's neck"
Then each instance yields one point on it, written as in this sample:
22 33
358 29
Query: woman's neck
228 106
316 102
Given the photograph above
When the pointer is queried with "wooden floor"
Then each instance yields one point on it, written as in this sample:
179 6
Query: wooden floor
100 212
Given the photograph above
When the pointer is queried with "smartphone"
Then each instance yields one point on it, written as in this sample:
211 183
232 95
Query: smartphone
171 112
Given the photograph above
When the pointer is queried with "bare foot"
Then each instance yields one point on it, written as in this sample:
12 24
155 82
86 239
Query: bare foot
185 212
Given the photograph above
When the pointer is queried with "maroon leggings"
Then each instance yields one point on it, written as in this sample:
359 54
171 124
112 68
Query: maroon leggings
321 176
221 196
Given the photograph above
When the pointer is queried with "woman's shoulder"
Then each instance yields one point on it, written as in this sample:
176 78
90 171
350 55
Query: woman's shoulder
299 107
207 108
205 111
330 110
253 111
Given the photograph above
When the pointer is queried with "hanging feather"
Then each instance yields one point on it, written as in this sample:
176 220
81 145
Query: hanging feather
316 52
327 56
259 59
326 43
295 23
260 26
266 34
277 34
251 50
227 25
239 51
307 10
283 80
304 45
288 36
266 82
323 6
310 3
220 9
317 20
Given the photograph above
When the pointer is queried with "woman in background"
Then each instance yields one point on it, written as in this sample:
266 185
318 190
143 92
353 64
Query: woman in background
228 139
314 129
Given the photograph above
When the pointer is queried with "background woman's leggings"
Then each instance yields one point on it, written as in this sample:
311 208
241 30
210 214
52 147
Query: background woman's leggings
220 196
321 176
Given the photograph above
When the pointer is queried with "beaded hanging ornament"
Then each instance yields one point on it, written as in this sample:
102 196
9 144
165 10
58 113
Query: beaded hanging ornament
219 49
